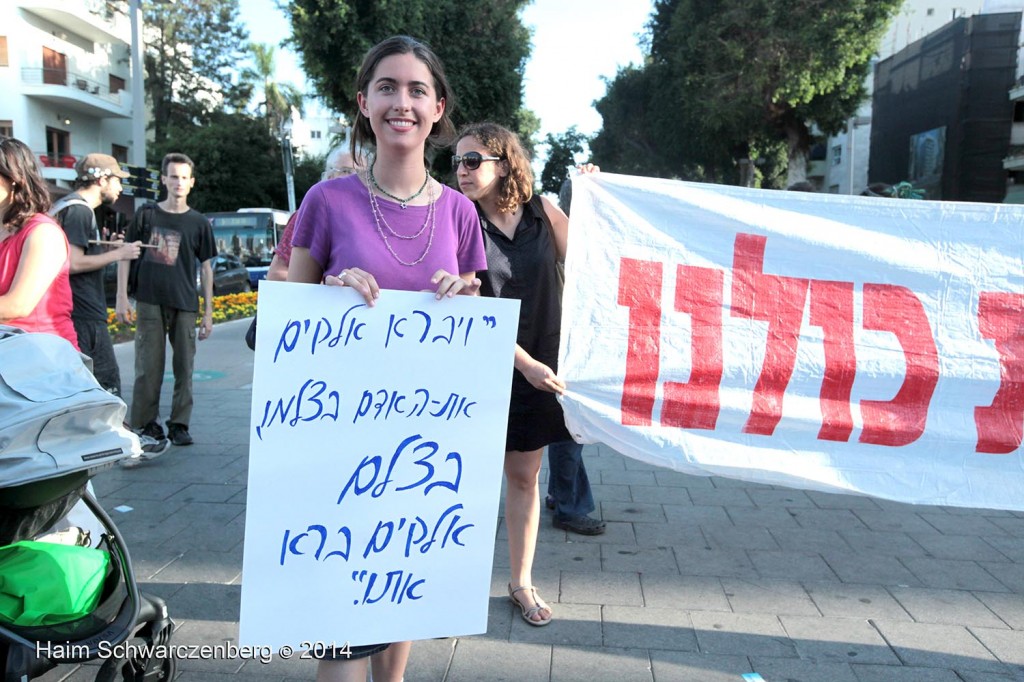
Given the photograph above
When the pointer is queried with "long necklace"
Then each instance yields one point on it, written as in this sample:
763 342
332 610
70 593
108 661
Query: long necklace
380 220
404 203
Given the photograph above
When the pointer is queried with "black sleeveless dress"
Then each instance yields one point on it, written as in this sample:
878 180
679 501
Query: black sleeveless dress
524 268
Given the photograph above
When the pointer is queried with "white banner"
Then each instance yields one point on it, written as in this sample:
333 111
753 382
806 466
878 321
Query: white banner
845 344
375 460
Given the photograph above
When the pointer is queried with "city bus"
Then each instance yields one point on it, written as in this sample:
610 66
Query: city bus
251 235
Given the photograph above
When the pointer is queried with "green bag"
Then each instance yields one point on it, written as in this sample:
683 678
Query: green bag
42 583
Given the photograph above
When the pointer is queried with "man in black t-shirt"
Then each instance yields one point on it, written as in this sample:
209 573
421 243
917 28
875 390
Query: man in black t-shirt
97 182
166 299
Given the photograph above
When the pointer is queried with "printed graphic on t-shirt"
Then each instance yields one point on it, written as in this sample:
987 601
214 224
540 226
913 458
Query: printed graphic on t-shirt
167 243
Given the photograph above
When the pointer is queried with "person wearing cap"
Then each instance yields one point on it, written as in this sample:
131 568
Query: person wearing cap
97 182
166 302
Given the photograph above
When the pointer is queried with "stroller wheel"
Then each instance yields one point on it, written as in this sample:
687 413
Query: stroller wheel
137 667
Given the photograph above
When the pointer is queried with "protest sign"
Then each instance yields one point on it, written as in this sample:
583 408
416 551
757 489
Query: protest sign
376 449
845 344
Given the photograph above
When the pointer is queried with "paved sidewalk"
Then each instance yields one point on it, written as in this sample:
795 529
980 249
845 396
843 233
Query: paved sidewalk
700 579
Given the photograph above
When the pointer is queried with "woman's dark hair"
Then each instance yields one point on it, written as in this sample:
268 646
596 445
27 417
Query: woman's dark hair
442 131
516 187
29 194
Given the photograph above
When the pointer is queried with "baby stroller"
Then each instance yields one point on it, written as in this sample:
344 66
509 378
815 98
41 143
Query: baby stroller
58 428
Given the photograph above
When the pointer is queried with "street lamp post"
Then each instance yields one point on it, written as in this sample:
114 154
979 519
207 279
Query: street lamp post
286 154
138 85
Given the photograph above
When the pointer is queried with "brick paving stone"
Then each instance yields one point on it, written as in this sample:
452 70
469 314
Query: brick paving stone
792 565
874 569
796 539
847 600
1007 645
615 533
724 563
680 666
968 548
769 596
908 522
640 627
586 664
479 659
684 535
601 588
798 670
1008 606
951 524
721 497
721 536
686 592
883 542
787 498
753 634
938 646
652 494
841 500
773 518
623 477
838 640
951 574
888 673
826 519
1010 575
638 559
677 513
610 493
946 607
632 512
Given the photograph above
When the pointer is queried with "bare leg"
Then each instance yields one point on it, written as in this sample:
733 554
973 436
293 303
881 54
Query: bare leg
389 665
342 671
522 516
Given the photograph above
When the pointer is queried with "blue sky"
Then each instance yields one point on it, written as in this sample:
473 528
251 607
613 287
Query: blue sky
575 43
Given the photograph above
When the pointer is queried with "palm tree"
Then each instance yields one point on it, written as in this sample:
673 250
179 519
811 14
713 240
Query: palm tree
278 98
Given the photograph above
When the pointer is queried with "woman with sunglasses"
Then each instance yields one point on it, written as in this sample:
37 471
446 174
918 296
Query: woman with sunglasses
390 227
35 260
525 235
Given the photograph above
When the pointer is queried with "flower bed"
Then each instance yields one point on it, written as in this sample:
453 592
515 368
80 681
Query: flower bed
229 307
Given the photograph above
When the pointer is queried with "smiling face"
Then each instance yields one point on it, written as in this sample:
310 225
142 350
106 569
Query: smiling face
401 102
483 182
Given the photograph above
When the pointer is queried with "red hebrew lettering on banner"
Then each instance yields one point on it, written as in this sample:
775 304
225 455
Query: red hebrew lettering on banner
832 310
695 404
901 421
779 301
1000 425
640 291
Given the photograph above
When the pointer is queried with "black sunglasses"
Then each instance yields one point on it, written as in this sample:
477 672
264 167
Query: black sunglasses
472 160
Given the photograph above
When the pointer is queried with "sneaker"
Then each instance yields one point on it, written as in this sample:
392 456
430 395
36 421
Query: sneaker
178 433
583 525
151 449
153 430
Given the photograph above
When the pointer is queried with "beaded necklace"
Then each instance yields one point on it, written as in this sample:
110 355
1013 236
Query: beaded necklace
382 223
404 203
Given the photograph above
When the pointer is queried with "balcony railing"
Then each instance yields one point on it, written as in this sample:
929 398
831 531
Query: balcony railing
65 78
47 160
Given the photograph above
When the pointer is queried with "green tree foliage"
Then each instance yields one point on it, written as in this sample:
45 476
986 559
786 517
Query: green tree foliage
238 162
562 152
278 98
192 50
728 76
483 45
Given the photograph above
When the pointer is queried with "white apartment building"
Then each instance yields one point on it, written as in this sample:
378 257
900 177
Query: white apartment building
845 167
65 71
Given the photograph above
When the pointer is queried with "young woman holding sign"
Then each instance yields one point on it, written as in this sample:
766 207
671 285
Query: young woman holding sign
390 227
525 235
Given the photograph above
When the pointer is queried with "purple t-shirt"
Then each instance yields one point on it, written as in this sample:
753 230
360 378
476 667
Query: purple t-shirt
338 227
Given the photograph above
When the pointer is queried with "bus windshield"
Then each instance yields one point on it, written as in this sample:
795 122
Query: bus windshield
249 236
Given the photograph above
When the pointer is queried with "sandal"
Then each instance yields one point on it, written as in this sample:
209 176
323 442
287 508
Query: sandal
528 612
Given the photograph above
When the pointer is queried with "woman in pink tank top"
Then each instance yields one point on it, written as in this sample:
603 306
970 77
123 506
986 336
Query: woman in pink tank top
35 293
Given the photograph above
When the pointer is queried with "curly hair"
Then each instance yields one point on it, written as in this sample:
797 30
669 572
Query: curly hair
442 131
28 192
516 188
